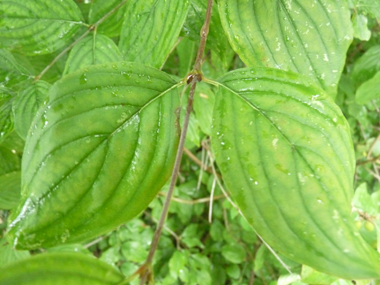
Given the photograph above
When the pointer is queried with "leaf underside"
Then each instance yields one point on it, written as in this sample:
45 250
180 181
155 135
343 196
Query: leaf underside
307 37
285 152
96 154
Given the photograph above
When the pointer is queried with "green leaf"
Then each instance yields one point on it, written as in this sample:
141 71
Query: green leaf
95 49
285 153
363 201
112 25
150 29
307 37
38 27
186 50
9 255
367 65
360 26
372 7
204 99
97 154
9 63
10 187
234 253
6 119
369 90
60 268
311 276
26 104
178 262
216 39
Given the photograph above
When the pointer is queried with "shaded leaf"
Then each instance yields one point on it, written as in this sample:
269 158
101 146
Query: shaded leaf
95 49
6 119
150 29
234 253
99 151
308 37
367 65
217 40
60 268
26 104
40 26
112 25
372 7
360 26
9 255
285 153
369 90
311 276
10 187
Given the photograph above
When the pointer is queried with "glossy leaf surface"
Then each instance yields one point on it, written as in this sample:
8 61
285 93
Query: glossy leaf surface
94 49
285 152
60 268
96 155
40 26
26 104
307 37
150 29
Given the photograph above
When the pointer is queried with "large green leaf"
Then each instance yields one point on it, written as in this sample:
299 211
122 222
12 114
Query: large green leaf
151 29
285 153
112 25
94 49
40 26
26 104
9 255
308 37
96 154
60 268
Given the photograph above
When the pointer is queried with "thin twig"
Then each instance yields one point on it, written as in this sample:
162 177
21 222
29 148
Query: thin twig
196 201
197 161
90 29
196 76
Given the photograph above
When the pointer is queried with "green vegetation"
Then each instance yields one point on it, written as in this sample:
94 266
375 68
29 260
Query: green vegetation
279 181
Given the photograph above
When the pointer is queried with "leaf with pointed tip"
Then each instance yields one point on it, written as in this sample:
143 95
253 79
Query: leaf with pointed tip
150 29
92 50
40 26
112 25
26 104
285 153
307 37
60 268
369 90
366 66
96 154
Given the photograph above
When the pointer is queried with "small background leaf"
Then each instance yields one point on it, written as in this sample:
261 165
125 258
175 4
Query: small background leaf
94 49
26 104
369 90
150 29
307 37
367 65
111 26
36 27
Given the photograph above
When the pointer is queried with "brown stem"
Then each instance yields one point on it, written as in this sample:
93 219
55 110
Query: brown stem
90 29
146 269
